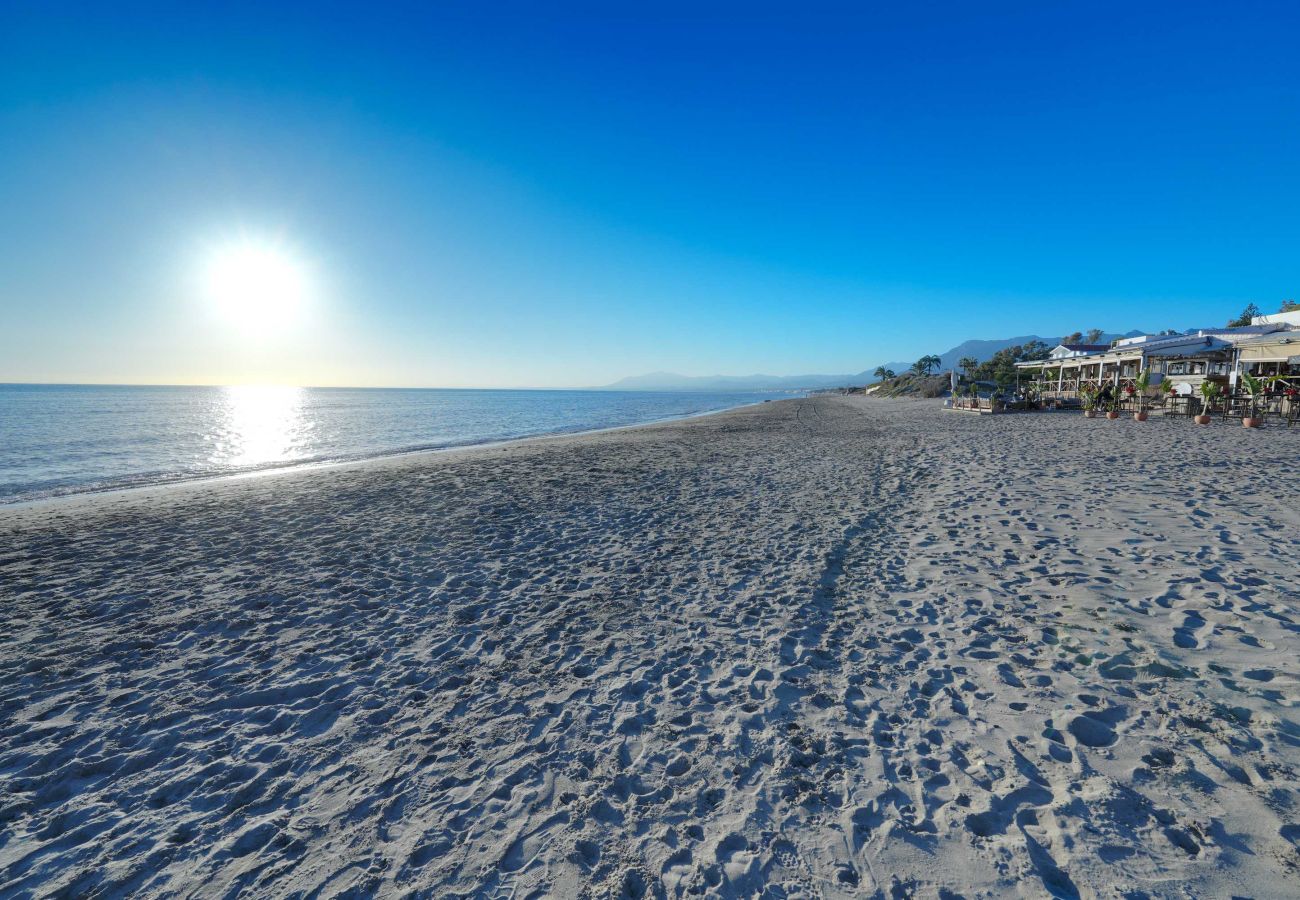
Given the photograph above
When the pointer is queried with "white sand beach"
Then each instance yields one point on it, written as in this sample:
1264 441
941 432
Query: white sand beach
830 647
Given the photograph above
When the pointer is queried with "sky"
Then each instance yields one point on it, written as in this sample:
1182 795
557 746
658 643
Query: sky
491 195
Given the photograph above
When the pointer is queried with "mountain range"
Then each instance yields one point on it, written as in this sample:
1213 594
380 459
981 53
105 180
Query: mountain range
981 350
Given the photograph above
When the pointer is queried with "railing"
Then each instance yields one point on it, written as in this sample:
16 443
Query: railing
1275 404
977 404
1066 389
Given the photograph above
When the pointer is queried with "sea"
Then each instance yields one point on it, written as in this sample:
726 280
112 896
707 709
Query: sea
65 439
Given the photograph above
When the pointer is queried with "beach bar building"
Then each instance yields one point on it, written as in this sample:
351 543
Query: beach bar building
1187 360
1274 353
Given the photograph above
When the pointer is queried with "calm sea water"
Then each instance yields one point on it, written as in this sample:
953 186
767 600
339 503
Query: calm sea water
59 439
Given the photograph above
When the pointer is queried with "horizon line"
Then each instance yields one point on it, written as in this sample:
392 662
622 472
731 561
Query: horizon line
388 387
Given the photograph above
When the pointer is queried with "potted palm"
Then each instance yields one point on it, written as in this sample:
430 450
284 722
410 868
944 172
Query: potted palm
1089 394
1166 389
1255 387
1210 393
1140 385
1112 407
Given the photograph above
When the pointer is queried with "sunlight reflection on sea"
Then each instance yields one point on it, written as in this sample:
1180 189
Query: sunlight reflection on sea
59 439
261 425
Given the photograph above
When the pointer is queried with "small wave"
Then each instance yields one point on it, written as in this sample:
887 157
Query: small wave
37 490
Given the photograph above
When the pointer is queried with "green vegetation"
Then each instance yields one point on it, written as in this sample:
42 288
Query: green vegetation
1002 367
925 364
1255 387
1210 391
1078 337
1244 319
1252 310
910 385
1140 385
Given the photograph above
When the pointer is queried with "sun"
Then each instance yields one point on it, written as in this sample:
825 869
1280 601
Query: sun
257 285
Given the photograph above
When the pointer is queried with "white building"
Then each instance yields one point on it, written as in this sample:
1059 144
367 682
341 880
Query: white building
1287 318
1215 354
1071 351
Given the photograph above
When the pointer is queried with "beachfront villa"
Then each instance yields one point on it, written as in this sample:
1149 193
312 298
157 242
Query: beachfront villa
1071 351
1270 346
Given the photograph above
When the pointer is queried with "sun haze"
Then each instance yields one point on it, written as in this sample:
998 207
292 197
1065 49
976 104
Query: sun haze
255 285
564 194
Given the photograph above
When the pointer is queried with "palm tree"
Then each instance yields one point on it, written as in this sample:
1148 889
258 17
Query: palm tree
967 364
882 373
923 365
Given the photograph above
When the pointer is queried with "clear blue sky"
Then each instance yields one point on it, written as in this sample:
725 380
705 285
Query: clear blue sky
486 194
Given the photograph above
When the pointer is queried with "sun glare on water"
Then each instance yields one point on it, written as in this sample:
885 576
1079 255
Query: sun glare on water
259 425
255 285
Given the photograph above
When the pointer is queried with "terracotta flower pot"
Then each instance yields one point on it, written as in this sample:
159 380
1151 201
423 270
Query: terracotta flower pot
1139 417
1252 421
1201 420
1112 415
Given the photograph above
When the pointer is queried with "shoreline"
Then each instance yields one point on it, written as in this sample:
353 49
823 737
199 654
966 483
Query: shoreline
834 646
292 468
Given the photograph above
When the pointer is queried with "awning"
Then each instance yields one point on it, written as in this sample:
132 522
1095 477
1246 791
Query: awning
1194 351
1269 351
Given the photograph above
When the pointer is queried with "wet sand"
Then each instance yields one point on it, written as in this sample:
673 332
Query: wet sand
824 647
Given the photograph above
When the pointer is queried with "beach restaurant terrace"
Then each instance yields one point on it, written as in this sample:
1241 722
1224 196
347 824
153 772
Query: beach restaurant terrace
1271 356
1269 350
1185 359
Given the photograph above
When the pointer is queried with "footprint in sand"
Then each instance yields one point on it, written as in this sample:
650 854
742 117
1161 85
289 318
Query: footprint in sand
1190 635
1095 728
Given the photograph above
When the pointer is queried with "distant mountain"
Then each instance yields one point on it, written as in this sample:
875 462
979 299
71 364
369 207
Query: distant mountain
984 350
981 350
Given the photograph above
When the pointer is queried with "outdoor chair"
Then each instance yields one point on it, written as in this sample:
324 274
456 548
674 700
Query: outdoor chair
1236 407
1274 408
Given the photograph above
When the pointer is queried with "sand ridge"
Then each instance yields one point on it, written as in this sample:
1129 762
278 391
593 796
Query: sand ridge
815 648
